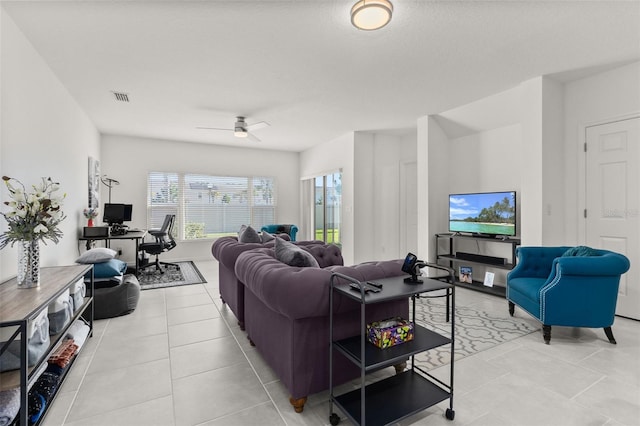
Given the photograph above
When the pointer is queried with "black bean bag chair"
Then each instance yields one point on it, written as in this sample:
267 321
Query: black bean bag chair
115 298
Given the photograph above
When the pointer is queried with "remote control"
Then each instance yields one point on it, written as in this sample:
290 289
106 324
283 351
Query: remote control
367 287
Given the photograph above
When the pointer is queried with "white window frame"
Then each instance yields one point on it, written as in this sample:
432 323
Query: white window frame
237 199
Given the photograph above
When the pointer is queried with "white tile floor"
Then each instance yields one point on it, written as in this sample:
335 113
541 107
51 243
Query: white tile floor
180 359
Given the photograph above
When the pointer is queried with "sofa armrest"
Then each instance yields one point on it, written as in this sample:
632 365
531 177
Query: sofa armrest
227 249
608 263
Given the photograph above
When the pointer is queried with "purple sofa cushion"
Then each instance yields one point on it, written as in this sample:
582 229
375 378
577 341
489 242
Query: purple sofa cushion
247 234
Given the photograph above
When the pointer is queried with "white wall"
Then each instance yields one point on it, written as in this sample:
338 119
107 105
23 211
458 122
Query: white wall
553 170
129 160
542 157
434 171
484 162
43 133
592 100
364 198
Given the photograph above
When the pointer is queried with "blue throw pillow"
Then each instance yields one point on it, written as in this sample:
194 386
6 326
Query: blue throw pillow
110 268
580 251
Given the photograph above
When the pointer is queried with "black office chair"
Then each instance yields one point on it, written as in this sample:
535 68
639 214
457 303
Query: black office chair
164 242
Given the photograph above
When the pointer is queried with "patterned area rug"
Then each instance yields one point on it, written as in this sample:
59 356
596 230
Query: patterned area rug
187 274
476 330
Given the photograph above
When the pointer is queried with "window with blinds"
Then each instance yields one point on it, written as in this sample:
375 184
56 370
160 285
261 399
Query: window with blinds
210 206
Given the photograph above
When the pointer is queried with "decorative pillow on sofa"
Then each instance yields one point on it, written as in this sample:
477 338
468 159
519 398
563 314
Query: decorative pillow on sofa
580 251
247 234
97 255
293 255
110 268
266 237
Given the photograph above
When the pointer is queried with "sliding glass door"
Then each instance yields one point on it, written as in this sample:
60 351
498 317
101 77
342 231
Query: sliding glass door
328 206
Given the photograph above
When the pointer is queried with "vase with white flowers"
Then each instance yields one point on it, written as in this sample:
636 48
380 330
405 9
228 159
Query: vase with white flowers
32 217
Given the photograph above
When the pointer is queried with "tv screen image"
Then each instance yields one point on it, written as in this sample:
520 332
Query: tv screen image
485 213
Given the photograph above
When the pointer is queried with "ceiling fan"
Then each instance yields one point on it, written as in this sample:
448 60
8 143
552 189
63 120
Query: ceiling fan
241 129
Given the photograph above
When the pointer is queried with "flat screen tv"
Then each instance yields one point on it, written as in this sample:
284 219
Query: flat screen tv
483 213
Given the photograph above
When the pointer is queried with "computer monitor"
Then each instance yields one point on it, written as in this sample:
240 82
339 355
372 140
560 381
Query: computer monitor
128 210
117 213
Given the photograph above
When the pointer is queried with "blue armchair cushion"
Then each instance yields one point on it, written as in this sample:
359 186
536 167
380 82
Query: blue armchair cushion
580 251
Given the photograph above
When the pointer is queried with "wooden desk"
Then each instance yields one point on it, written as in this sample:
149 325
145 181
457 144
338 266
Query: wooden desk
137 236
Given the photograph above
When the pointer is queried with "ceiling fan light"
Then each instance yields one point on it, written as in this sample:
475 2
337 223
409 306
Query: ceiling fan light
239 129
371 15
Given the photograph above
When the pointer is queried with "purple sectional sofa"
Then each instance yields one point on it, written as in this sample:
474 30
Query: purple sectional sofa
227 249
286 315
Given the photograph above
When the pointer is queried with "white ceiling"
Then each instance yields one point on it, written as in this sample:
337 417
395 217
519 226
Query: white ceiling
302 67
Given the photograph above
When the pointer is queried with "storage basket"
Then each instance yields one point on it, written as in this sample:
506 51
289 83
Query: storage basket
390 332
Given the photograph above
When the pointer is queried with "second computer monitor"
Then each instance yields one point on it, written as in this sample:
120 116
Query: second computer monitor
116 213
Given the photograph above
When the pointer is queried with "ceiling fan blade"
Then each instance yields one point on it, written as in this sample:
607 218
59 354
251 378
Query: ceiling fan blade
257 126
253 137
214 128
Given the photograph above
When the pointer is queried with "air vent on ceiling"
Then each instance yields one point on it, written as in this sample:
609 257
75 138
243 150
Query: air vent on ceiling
122 97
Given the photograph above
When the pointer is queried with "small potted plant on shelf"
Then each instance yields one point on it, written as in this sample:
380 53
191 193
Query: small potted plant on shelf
90 213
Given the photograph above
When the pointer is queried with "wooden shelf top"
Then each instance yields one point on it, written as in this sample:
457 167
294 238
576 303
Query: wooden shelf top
18 304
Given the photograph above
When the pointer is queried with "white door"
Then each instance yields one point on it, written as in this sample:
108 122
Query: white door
612 192
409 208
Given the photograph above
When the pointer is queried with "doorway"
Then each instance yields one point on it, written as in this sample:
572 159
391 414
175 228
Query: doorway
328 207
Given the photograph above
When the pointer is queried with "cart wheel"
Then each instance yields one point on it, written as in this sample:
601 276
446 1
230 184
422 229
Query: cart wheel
449 414
334 419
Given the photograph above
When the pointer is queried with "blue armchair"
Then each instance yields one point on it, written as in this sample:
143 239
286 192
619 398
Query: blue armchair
577 288
291 230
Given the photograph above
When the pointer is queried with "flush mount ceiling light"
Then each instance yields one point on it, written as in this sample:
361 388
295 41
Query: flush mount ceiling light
371 15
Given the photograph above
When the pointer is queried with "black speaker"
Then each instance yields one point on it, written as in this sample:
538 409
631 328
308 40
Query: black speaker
95 231
481 258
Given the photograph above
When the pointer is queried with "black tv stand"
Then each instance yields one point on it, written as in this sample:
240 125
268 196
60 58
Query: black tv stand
480 235
453 257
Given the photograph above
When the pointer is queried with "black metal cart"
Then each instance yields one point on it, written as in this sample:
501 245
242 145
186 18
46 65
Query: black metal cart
408 392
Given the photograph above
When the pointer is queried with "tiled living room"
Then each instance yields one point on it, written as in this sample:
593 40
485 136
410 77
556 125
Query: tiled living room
108 98
180 358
